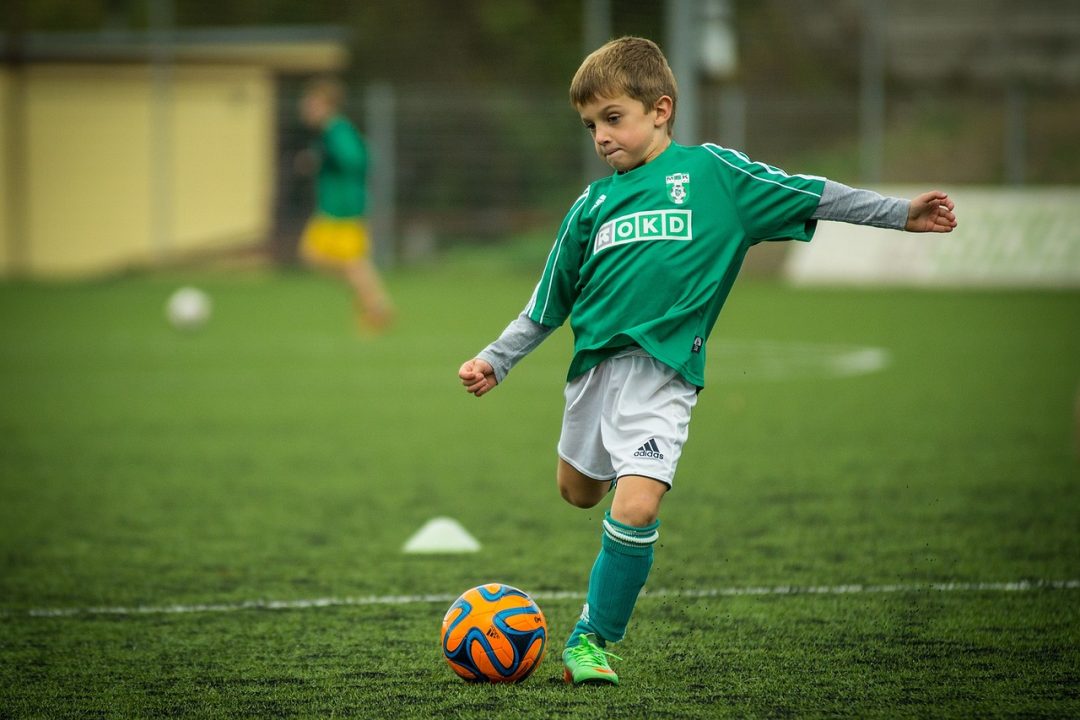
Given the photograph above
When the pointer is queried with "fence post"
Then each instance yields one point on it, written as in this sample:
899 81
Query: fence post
380 110
872 92
13 151
161 15
683 47
596 24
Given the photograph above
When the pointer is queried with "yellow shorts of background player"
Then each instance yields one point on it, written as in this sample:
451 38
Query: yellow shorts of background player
329 240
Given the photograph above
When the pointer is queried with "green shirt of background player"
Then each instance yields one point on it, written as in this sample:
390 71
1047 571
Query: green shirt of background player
641 267
336 237
340 187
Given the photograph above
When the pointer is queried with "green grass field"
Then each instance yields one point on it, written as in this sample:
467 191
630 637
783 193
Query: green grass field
276 456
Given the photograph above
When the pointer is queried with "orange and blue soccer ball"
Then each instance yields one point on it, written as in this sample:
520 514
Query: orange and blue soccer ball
494 633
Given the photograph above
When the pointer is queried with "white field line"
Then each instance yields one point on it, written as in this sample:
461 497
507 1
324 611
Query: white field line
365 600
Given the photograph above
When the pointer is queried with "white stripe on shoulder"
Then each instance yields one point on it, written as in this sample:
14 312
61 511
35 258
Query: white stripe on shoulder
553 256
554 251
719 152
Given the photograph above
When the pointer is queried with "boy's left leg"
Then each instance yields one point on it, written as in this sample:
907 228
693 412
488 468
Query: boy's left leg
637 500
619 573
622 566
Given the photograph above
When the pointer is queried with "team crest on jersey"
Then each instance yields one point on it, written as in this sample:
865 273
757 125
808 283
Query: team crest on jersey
677 187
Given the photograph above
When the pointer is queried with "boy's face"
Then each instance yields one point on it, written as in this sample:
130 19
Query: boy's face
627 134
315 109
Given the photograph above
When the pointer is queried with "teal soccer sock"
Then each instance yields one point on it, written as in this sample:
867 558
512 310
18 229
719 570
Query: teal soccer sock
619 573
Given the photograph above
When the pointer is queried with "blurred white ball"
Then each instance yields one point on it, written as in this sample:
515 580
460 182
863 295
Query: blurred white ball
188 308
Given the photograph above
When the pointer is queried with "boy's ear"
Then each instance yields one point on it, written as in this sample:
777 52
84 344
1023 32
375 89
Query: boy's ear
663 108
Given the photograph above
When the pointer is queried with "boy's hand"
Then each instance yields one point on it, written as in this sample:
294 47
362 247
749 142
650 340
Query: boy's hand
477 376
931 212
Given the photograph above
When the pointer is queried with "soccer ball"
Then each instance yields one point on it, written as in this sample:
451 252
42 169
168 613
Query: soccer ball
188 308
494 633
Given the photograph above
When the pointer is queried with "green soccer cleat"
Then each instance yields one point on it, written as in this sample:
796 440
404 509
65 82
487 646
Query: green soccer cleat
587 663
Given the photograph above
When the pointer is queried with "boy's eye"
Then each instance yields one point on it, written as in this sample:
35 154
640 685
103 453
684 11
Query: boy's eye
613 119
590 127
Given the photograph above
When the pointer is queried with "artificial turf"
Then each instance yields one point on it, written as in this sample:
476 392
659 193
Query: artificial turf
275 455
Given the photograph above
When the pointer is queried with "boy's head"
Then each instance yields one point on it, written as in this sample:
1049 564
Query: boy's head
630 66
322 99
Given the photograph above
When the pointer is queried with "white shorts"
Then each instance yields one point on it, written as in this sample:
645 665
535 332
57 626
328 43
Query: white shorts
629 415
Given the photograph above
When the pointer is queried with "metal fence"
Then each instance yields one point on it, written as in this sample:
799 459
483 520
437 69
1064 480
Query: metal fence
483 165
862 91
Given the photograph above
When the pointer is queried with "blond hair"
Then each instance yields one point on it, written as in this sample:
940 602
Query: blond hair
630 66
330 89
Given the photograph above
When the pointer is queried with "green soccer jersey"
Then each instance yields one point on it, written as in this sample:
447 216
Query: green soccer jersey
340 187
648 257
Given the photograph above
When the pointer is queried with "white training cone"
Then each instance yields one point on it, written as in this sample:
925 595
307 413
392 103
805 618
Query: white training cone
441 535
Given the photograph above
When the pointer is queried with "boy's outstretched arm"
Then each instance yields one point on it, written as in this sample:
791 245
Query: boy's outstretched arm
931 212
477 376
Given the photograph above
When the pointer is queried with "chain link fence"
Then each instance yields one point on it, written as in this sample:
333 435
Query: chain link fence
470 143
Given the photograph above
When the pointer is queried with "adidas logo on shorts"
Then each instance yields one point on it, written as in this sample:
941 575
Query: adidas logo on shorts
650 450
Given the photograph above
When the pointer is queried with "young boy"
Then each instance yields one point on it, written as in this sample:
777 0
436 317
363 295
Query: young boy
641 266
336 237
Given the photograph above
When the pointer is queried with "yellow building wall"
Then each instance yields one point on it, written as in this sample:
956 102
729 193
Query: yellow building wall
223 162
88 157
122 173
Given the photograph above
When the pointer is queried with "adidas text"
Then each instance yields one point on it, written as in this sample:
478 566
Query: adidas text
649 450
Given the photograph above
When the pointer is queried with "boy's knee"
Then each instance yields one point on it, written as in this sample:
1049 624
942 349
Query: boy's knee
578 489
637 501
581 496
636 514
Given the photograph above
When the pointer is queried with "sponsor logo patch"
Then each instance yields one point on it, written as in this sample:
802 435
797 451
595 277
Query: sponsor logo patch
638 227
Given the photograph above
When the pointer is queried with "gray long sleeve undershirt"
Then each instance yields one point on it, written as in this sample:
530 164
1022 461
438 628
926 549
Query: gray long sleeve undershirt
838 203
520 337
861 207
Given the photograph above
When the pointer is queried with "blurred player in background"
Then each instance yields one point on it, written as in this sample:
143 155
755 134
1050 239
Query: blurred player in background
641 267
336 236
